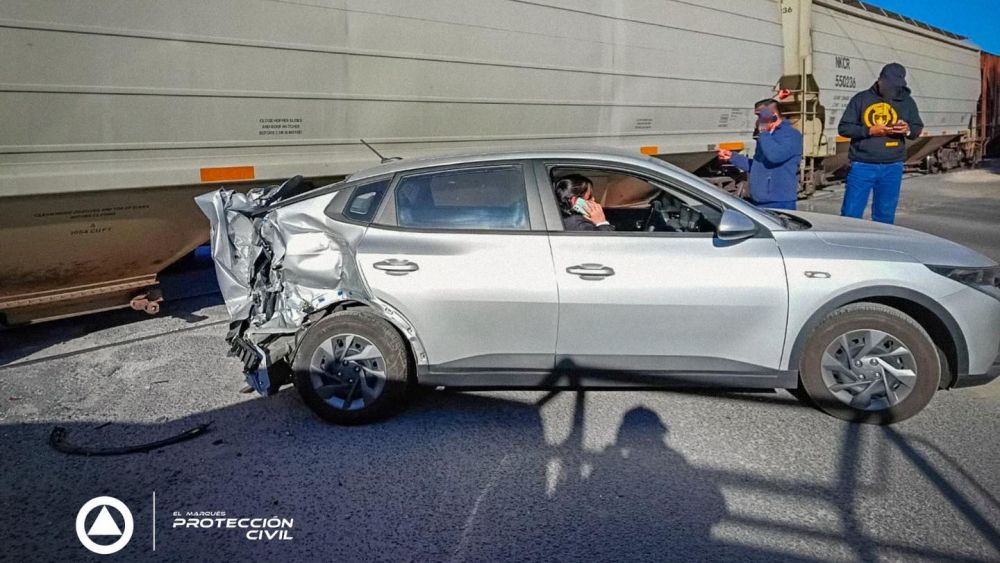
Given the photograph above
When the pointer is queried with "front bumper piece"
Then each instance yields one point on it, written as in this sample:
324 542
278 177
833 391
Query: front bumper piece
254 364
973 380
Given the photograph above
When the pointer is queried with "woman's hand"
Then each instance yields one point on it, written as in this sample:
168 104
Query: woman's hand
596 213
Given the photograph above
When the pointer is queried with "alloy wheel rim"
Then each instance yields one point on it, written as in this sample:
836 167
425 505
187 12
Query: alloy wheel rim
348 372
869 369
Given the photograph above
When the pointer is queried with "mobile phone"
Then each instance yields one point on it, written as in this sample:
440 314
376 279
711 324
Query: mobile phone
580 206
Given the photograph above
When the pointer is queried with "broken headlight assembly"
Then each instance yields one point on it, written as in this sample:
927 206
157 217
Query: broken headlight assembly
986 280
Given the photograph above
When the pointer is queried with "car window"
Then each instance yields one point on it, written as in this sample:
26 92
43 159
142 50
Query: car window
365 200
491 198
635 204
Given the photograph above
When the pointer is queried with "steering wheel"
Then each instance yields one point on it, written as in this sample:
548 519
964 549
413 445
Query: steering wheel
654 211
689 219
657 220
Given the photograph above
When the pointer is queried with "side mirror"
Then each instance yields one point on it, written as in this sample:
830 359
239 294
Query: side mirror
735 226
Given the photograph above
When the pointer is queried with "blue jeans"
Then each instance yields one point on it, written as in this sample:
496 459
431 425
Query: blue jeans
882 179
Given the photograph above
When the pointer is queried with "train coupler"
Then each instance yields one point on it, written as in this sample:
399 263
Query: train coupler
149 301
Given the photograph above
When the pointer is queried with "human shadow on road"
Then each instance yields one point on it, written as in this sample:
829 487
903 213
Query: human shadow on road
638 499
457 477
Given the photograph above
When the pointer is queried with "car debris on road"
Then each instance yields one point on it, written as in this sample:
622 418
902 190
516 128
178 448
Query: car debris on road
59 441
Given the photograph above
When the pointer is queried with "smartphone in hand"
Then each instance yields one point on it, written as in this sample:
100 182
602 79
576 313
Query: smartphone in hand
580 206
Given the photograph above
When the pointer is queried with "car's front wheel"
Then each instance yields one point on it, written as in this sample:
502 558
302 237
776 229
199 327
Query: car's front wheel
352 367
871 363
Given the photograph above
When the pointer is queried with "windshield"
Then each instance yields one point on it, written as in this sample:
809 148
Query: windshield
727 198
675 171
788 220
309 193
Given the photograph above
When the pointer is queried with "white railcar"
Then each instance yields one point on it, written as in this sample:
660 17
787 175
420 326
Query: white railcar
116 113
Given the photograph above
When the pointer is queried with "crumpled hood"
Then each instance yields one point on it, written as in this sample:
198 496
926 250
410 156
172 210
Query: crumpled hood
922 247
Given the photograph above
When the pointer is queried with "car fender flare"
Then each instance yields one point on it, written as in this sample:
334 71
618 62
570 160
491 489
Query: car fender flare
405 327
388 313
861 294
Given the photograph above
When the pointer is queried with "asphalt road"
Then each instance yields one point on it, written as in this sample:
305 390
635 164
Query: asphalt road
519 476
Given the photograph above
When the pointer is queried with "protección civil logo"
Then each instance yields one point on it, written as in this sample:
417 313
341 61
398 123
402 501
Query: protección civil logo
110 530
104 525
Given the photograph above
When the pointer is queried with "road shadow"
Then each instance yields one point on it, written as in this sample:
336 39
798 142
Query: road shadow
963 504
638 499
457 477
498 490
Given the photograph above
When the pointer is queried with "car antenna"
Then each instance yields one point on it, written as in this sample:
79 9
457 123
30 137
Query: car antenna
378 154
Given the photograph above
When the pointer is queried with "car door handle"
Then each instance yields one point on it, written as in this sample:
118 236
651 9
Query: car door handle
591 271
396 266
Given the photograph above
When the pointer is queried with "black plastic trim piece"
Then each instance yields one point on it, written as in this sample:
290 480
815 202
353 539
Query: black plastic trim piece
539 371
60 443
502 362
542 379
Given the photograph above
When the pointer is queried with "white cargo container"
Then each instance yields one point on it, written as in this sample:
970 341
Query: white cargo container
117 112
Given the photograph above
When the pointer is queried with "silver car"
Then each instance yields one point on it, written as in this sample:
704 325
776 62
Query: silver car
458 272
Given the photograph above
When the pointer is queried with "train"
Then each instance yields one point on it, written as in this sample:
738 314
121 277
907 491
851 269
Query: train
116 114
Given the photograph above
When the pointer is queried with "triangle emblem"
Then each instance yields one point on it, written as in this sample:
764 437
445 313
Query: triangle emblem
104 525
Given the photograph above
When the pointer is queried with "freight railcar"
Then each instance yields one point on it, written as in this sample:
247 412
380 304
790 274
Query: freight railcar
116 113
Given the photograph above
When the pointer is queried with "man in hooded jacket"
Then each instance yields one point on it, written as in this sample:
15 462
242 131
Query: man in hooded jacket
879 121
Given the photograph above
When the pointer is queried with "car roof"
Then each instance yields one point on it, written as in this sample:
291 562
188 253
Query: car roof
597 153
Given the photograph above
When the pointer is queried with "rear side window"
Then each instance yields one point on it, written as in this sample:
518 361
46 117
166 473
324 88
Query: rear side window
365 200
491 198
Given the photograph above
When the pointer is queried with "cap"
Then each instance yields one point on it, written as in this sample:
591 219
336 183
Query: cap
895 74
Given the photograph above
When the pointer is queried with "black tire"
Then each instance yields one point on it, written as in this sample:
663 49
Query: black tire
398 366
871 316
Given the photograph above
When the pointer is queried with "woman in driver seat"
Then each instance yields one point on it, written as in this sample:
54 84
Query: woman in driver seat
575 194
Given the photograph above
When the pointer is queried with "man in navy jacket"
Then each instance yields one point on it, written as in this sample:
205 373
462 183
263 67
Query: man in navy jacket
879 121
774 169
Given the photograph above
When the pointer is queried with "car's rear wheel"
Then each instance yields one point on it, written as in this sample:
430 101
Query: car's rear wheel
868 362
352 367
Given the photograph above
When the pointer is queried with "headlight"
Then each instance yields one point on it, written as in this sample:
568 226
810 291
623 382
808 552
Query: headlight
986 280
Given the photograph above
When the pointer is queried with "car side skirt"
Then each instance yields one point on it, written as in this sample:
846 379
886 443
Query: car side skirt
599 372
